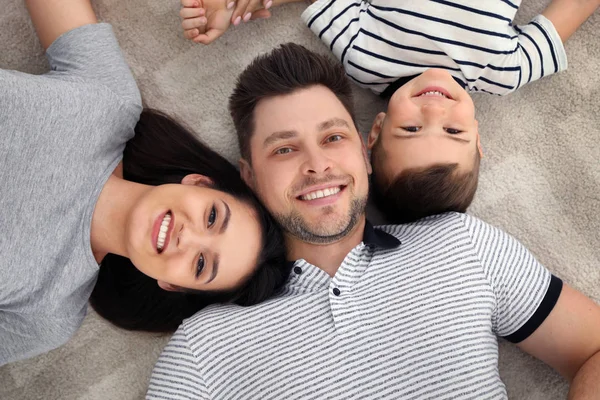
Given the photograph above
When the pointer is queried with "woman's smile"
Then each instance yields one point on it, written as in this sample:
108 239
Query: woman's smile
161 231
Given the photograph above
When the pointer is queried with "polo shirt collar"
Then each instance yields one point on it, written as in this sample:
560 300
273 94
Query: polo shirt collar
379 238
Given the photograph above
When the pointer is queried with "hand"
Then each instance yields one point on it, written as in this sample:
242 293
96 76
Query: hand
245 10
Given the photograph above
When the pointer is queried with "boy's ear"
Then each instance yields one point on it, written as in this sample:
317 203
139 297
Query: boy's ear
246 173
479 148
197 180
168 287
375 130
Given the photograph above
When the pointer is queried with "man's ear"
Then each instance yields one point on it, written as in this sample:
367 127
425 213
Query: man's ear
479 148
366 157
375 130
246 173
197 180
168 287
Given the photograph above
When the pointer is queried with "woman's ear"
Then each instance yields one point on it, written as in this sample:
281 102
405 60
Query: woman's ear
168 287
197 180
375 130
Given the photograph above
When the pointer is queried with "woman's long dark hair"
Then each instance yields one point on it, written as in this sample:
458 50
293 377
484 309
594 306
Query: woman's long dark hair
163 151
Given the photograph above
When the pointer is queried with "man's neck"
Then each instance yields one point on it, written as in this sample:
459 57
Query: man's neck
328 257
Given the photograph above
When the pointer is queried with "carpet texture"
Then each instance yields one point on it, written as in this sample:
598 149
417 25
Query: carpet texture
540 178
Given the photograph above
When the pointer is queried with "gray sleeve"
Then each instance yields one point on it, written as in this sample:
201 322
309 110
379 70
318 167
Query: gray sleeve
26 336
91 53
176 375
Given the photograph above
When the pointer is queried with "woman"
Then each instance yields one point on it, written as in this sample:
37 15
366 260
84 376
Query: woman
65 207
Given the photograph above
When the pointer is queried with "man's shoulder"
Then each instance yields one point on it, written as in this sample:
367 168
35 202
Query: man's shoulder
433 222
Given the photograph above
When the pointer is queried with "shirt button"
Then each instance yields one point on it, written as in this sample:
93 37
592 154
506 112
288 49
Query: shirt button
297 270
336 291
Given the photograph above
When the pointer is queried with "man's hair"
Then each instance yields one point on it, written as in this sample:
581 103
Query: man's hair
284 70
420 192
164 151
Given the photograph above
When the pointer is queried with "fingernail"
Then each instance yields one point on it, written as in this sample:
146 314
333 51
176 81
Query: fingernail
237 20
230 5
247 17
269 4
203 21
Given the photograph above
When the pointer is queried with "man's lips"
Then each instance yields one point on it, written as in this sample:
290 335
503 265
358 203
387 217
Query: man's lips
321 195
156 230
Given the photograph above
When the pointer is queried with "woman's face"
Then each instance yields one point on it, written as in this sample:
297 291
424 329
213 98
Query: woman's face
191 236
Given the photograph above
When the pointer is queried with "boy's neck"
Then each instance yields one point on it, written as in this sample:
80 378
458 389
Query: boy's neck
328 257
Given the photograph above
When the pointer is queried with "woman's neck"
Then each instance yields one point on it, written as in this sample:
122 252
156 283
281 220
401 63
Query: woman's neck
109 221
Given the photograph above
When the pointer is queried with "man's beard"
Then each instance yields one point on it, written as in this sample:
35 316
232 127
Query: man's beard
295 225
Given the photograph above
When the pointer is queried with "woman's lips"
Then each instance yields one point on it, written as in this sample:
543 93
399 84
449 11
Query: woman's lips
156 229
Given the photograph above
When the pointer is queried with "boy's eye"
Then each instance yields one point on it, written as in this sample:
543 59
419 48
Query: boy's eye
199 265
334 138
283 150
411 128
453 131
212 217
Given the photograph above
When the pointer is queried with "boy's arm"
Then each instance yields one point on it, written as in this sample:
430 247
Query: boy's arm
52 18
568 15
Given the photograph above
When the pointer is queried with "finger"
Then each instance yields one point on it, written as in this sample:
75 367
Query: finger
261 14
191 34
241 9
190 3
192 23
188 12
208 37
267 4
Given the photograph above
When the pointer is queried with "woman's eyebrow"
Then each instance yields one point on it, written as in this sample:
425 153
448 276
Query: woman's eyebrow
215 269
226 219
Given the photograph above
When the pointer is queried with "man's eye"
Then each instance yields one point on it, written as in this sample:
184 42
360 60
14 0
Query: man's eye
283 150
411 128
453 131
334 138
199 265
212 217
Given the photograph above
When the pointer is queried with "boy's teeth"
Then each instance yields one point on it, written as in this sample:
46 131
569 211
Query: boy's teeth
433 92
162 233
317 194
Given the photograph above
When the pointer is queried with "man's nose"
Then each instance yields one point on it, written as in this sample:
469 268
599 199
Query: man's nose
316 162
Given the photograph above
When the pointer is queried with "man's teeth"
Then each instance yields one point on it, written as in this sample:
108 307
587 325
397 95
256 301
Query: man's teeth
433 93
162 233
317 194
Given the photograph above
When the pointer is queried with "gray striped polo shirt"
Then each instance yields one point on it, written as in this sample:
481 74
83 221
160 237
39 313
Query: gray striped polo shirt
413 312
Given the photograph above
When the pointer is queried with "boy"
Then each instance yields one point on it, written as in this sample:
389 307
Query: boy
425 57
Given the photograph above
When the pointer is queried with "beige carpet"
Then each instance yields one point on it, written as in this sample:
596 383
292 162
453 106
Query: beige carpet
540 177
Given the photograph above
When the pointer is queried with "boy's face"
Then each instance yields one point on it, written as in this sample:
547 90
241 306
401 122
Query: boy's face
430 120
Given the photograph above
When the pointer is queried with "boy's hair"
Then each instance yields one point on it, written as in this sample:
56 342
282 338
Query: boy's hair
420 192
284 70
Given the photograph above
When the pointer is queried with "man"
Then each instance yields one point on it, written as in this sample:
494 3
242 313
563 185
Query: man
410 311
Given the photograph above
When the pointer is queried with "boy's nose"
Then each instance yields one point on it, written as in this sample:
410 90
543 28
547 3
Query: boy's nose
433 110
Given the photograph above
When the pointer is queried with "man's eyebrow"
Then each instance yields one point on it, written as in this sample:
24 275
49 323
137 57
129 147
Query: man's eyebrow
333 122
226 219
276 136
215 269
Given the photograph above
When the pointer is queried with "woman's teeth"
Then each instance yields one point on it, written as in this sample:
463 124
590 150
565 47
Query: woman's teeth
433 93
162 233
317 194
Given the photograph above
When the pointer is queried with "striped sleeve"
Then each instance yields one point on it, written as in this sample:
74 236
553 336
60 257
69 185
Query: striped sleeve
335 22
175 375
525 291
540 50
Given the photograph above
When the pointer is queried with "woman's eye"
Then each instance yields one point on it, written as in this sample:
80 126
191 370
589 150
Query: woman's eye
411 128
199 265
453 131
283 150
334 138
212 217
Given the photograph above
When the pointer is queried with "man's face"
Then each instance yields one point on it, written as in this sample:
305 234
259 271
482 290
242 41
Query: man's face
309 164
430 120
